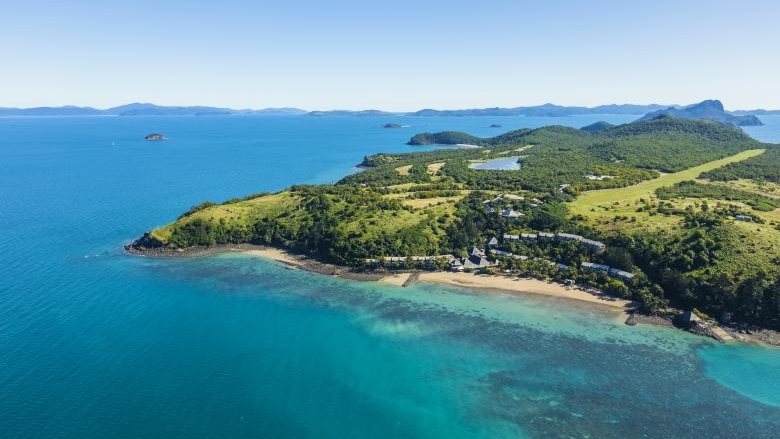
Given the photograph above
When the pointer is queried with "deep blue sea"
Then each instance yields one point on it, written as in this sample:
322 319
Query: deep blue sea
98 344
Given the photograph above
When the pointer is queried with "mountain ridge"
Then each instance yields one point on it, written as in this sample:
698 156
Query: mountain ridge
713 107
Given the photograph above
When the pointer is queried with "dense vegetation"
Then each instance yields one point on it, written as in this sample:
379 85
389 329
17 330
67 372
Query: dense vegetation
434 203
692 189
699 267
764 167
597 127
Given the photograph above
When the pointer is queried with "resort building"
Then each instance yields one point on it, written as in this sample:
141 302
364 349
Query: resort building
511 238
511 213
528 236
475 262
590 266
493 242
744 218
624 275
596 246
500 252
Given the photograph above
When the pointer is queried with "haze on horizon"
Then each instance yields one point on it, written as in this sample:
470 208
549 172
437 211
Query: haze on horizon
400 56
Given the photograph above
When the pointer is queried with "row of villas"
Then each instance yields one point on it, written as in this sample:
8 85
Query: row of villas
595 246
478 260
397 261
614 272
585 266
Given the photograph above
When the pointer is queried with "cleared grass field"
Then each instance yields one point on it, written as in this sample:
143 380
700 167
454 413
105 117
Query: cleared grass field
607 204
403 170
242 212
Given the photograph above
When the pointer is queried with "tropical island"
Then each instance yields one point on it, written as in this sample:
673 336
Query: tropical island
672 214
154 137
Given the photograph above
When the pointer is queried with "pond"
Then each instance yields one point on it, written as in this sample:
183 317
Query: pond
502 164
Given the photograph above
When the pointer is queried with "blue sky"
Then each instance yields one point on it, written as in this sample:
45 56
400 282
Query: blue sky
399 55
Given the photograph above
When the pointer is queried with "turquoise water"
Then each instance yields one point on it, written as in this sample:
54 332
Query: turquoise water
95 343
504 164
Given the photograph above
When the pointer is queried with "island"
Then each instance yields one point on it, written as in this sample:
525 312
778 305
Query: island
154 137
711 110
392 125
663 228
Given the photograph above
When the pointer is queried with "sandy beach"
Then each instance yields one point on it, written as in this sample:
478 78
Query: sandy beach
514 285
275 255
396 279
524 286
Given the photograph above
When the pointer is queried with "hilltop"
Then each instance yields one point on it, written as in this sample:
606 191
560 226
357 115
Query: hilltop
709 110
705 245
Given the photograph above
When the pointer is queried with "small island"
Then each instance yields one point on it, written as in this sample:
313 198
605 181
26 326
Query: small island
646 213
495 125
392 125
154 137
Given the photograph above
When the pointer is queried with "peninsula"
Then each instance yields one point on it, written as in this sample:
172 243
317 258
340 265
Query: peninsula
666 212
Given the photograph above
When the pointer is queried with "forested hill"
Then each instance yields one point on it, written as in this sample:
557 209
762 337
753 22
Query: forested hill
707 110
712 247
460 138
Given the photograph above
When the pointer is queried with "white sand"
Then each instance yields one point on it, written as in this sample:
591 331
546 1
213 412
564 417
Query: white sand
524 286
276 255
396 279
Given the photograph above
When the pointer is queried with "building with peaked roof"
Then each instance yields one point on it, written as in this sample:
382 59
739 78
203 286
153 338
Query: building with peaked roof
474 262
690 317
511 213
493 242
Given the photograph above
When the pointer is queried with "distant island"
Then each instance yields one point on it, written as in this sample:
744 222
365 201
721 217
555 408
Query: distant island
392 125
545 110
154 137
674 214
710 110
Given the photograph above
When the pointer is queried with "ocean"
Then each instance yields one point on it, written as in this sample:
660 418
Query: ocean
95 343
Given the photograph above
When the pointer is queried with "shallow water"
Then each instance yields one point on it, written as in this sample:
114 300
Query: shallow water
95 343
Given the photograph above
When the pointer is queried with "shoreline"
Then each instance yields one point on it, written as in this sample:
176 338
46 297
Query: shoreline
521 286
482 282
517 286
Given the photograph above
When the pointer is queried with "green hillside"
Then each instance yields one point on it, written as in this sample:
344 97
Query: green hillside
629 186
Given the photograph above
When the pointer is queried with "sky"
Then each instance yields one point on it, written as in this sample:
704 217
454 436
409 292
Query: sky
398 55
